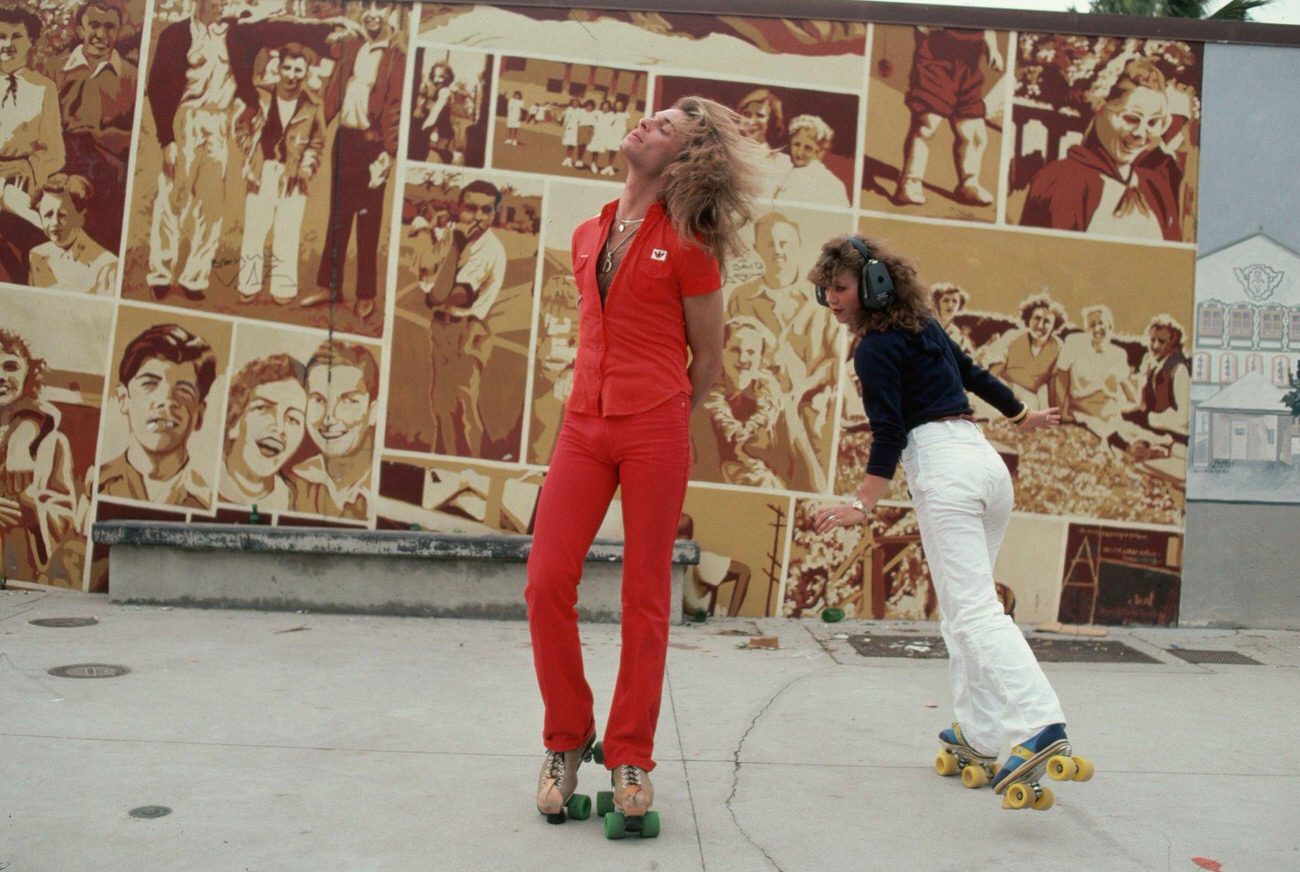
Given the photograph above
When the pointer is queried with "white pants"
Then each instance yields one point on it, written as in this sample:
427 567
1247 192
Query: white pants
962 495
269 213
191 202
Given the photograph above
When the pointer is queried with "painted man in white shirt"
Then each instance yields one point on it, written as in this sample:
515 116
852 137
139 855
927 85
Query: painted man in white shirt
460 336
71 260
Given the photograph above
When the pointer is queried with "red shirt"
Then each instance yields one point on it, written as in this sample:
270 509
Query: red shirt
632 350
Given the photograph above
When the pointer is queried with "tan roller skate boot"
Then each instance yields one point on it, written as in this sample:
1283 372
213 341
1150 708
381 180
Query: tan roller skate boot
557 782
627 808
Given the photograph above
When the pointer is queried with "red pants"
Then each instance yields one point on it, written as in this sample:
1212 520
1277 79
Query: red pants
648 454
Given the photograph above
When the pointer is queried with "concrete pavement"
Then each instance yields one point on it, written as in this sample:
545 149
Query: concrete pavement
285 741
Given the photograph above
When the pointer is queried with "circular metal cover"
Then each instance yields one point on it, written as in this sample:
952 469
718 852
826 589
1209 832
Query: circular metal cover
64 622
89 670
150 811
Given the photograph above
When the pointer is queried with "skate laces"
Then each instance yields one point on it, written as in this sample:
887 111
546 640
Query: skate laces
555 764
630 775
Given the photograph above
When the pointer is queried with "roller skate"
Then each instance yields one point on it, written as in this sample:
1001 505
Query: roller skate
958 756
558 780
1048 751
626 808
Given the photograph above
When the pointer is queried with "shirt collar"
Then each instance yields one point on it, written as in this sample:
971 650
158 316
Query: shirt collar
77 59
312 470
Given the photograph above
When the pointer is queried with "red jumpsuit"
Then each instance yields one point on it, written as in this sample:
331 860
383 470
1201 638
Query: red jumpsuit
625 424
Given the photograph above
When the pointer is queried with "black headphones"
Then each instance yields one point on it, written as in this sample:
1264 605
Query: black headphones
875 284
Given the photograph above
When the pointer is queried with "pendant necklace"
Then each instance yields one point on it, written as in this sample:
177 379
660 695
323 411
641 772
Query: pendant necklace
624 224
607 262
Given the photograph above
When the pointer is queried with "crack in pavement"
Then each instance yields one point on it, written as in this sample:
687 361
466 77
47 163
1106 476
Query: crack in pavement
736 764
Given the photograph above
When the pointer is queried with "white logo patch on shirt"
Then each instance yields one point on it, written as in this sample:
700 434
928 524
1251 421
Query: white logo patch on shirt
659 254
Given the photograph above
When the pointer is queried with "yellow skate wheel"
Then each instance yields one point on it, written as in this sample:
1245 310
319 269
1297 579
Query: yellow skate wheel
1046 801
1061 768
1019 796
946 763
974 776
1085 769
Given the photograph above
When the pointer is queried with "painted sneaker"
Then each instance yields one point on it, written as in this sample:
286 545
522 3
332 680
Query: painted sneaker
973 193
958 756
911 192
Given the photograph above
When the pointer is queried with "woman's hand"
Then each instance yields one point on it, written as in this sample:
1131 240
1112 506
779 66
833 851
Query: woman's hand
1039 418
828 519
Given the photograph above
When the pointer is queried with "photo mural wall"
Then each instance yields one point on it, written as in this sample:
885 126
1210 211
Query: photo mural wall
306 262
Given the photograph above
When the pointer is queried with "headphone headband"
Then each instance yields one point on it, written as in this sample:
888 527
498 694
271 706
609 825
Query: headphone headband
875 284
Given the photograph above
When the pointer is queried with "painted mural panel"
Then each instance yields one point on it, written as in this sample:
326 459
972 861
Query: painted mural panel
743 542
265 161
467 263
299 427
66 114
945 91
1107 136
807 51
51 388
1113 361
449 111
1118 576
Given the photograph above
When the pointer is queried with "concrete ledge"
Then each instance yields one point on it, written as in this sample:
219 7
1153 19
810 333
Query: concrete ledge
389 572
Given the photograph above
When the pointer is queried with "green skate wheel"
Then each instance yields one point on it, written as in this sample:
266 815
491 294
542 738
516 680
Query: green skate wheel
615 825
650 825
579 807
604 802
598 754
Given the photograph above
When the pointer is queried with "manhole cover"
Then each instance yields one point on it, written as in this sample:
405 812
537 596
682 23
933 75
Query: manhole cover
89 670
1232 658
63 622
150 811
1046 650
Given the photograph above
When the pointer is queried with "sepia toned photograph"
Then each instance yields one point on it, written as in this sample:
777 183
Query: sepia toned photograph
811 135
456 497
52 356
449 107
66 118
768 420
161 441
300 423
1107 136
467 261
935 103
564 118
1118 370
266 196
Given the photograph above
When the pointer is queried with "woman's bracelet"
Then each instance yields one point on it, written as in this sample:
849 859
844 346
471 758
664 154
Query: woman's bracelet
1019 418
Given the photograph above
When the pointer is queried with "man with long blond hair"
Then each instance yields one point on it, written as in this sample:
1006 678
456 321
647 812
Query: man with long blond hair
648 277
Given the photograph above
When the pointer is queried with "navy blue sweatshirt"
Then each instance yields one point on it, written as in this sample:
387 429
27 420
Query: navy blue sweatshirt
909 379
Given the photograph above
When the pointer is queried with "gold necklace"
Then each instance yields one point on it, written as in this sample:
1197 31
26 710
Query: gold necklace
624 223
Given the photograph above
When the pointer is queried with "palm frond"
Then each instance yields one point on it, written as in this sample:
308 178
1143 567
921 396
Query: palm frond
1238 10
1185 8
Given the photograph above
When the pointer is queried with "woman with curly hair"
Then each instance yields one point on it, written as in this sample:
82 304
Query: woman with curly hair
648 275
914 383
37 491
265 423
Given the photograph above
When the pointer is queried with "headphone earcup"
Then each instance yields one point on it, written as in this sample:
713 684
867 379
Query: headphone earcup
877 285
820 293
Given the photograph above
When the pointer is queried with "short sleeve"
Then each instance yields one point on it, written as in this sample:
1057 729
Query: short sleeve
696 270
